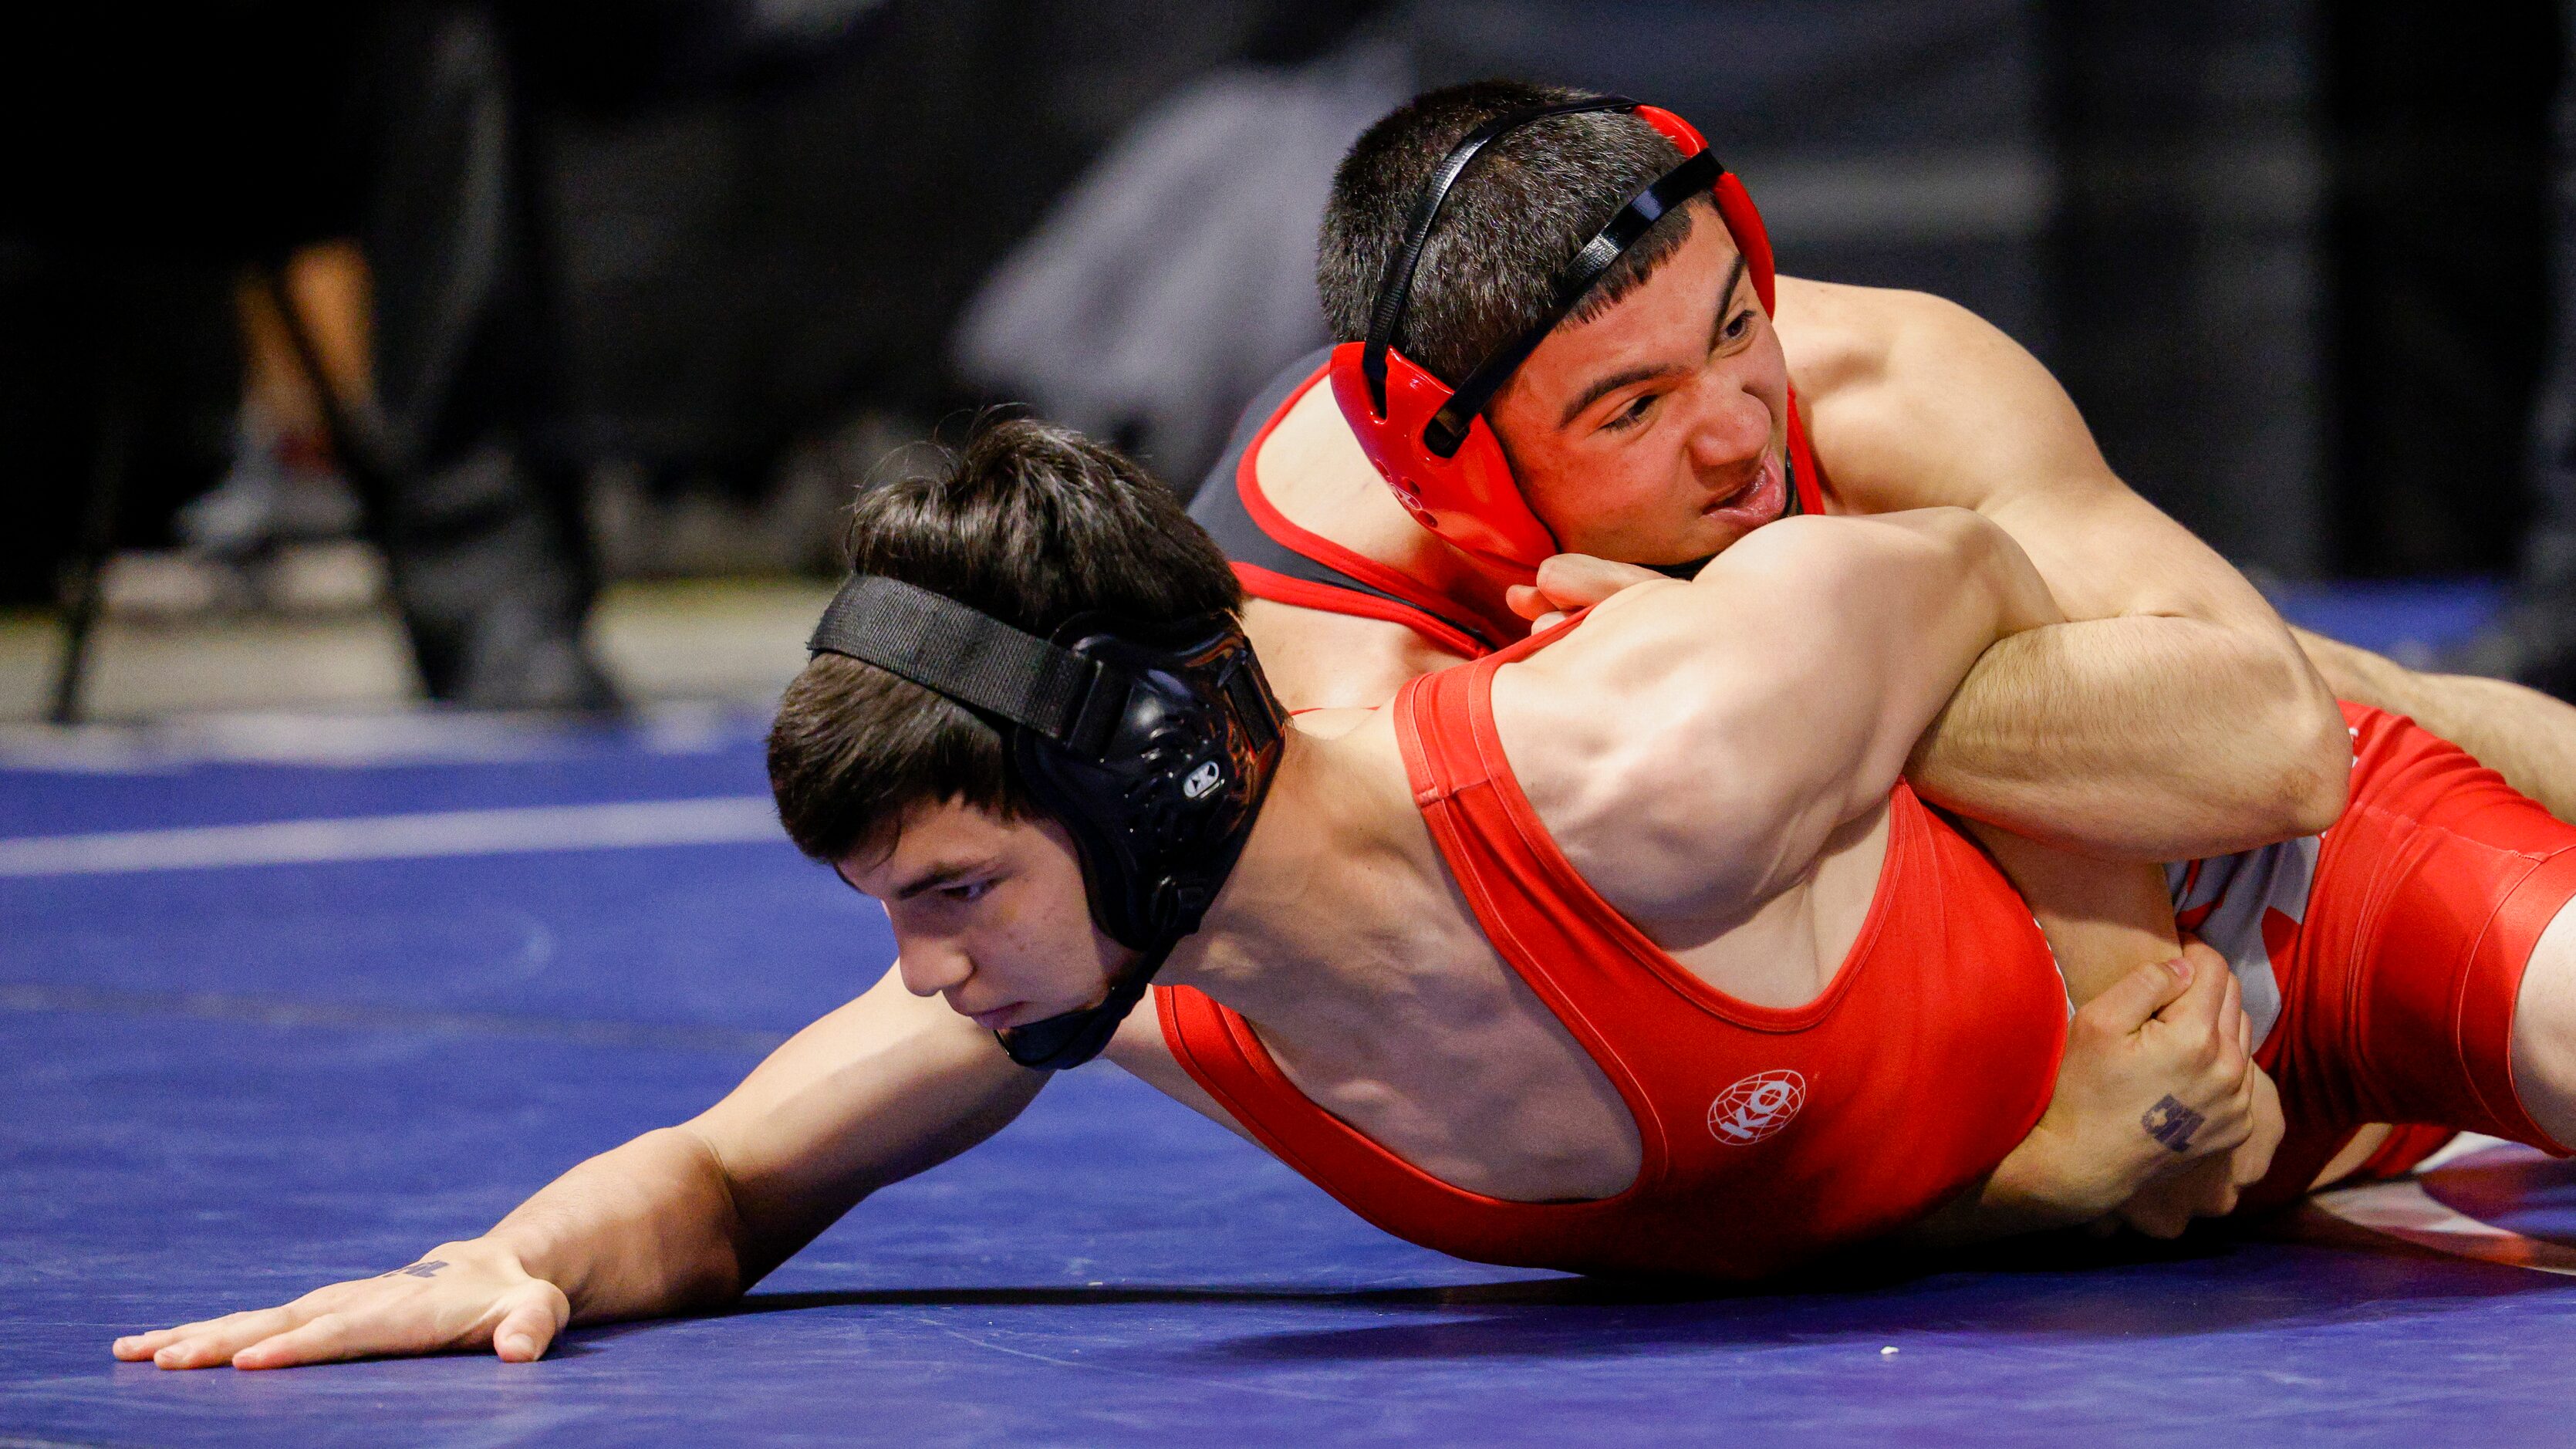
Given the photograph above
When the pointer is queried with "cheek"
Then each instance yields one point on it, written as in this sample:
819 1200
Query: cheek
1047 931
1602 482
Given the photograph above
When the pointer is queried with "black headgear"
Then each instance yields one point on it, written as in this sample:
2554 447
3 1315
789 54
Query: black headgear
1150 743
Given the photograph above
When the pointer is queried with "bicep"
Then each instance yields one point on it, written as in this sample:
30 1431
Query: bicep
1769 701
1896 623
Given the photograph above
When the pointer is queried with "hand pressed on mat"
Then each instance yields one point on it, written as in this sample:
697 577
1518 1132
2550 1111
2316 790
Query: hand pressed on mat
458 1296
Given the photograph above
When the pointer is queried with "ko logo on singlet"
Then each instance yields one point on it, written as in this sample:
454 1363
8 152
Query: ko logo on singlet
1756 1107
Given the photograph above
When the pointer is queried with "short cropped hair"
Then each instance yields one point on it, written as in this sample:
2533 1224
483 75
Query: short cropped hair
1030 523
1521 212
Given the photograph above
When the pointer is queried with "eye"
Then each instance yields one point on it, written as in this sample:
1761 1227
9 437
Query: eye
1631 415
965 892
1738 325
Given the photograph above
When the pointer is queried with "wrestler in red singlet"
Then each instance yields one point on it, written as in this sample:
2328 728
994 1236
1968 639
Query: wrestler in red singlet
2381 964
2248 906
1768 1136
2388 952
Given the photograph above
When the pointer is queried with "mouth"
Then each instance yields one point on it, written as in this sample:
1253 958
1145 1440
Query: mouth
1000 1018
1761 498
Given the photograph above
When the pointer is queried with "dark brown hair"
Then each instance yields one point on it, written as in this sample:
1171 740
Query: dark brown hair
1521 212
1031 524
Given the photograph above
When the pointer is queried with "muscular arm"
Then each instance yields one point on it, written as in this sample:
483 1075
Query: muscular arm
1669 731
885 1087
680 1218
1707 739
2173 717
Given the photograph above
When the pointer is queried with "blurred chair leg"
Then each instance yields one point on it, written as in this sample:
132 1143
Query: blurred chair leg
83 580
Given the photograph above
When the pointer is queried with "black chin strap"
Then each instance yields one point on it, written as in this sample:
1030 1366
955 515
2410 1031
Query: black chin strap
1447 430
1074 1037
1395 285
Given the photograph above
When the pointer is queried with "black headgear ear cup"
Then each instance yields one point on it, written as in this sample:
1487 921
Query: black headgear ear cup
1159 804
1152 744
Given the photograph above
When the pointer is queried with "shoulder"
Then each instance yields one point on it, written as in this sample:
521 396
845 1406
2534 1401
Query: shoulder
1691 745
1776 575
1838 336
1914 401
1794 634
1739 654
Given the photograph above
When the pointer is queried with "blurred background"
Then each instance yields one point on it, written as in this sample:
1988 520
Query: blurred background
519 356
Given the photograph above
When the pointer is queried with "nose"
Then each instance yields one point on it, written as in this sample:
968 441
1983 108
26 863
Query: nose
931 967
1732 428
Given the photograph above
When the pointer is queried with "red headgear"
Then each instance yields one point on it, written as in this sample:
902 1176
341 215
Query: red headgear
1432 444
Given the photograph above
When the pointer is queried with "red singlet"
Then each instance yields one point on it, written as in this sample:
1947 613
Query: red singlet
1769 1136
2396 974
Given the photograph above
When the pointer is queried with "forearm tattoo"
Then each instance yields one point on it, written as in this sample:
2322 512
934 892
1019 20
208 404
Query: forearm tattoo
2172 1123
430 1268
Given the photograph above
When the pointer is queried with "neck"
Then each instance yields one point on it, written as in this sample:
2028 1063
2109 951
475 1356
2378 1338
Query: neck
1278 933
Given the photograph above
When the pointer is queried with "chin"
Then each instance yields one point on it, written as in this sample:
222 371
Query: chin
1704 539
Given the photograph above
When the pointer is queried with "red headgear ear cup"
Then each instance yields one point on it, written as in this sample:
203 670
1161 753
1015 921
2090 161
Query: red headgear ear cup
1469 497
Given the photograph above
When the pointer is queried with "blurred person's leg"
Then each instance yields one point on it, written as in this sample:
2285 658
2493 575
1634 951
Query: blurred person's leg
490 560
286 483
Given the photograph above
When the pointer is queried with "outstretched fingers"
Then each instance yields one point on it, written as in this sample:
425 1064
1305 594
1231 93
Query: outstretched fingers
326 1338
518 1326
479 1303
208 1342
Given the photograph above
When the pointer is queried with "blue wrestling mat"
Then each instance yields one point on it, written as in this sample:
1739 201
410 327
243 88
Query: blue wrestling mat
276 1011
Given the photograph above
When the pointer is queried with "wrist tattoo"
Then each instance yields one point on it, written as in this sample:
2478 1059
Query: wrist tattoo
2172 1123
430 1268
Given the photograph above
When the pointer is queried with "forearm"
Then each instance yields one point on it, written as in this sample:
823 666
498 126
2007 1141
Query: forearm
2141 738
2521 734
2027 1193
2103 918
644 1229
887 1086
